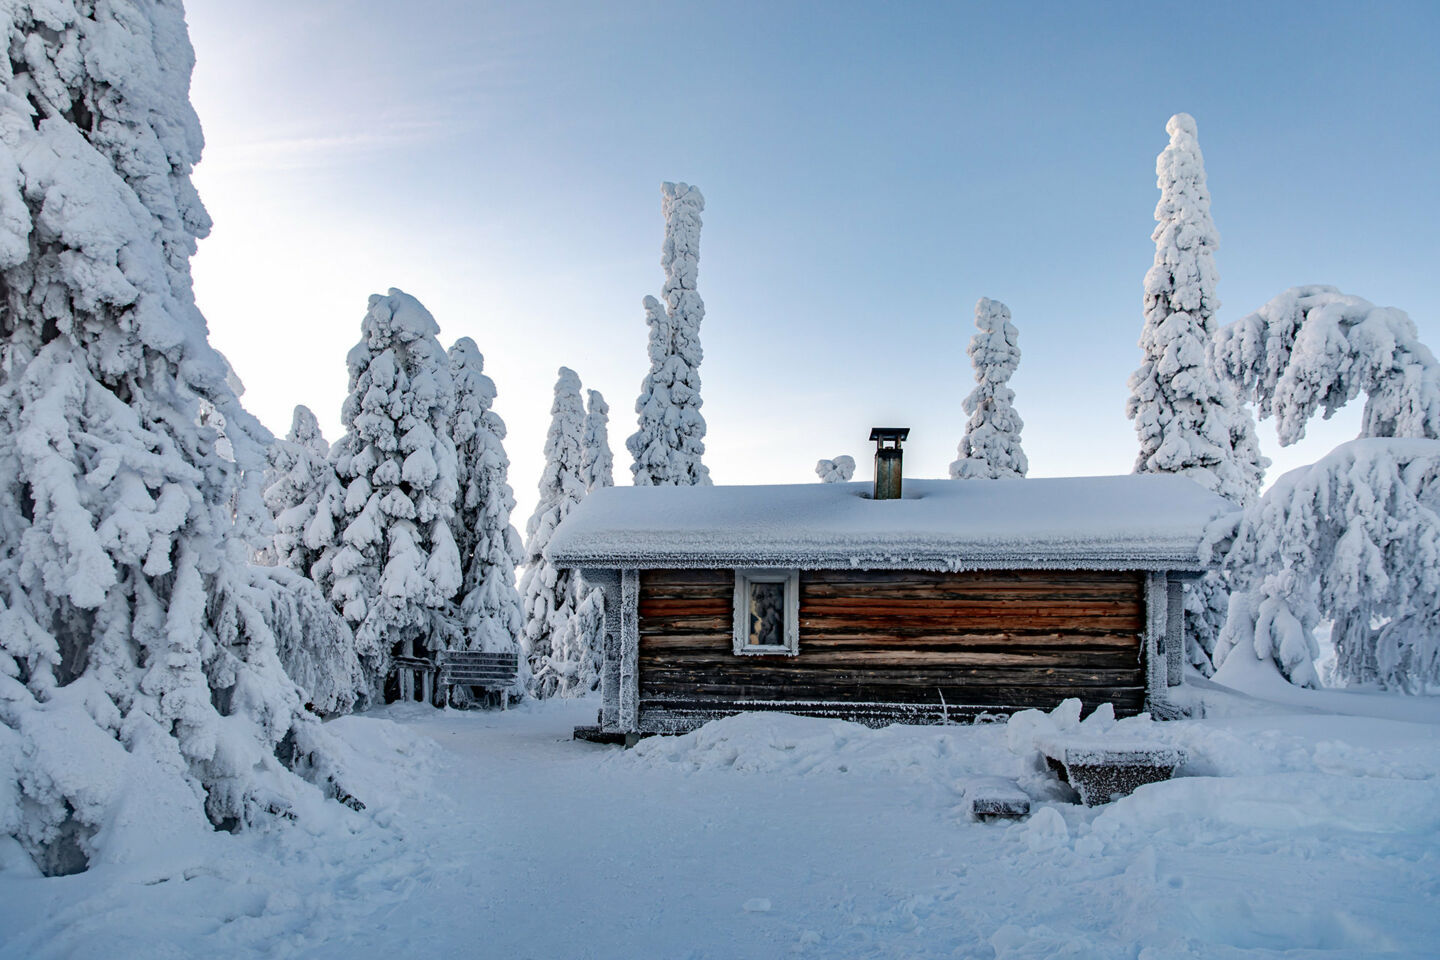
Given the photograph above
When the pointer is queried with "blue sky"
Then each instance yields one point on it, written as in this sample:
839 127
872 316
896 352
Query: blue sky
870 170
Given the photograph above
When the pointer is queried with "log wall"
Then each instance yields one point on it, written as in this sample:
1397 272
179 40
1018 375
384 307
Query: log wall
932 644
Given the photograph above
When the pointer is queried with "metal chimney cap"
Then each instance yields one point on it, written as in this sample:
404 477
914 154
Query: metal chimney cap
889 433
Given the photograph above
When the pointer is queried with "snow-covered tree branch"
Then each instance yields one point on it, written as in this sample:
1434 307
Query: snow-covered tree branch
1314 349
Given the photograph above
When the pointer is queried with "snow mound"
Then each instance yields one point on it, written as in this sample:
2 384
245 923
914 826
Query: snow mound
781 744
1178 810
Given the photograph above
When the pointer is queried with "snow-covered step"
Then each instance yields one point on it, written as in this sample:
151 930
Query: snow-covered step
994 798
1104 769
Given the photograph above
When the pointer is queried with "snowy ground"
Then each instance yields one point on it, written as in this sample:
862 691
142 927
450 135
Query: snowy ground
1299 833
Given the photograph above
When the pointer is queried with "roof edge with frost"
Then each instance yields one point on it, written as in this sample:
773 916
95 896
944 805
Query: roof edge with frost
1135 522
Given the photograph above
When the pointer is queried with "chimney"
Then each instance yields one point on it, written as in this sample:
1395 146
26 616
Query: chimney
888 457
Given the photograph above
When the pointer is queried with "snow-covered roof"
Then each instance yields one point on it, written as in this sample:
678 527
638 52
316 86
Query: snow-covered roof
1138 522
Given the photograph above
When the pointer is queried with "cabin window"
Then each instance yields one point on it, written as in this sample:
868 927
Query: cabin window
767 612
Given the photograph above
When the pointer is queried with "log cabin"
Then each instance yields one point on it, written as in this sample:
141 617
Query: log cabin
914 601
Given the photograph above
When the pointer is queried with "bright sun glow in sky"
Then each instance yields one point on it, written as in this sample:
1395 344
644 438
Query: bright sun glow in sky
869 170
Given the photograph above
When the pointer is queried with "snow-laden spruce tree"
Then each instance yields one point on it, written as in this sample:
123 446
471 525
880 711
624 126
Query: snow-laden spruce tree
839 470
488 544
396 569
304 497
577 649
141 696
303 494
991 448
671 440
598 466
548 592
1350 539
1188 420
1353 538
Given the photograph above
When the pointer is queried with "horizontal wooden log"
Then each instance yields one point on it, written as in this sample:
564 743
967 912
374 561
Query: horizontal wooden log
779 671
970 624
661 719
1023 697
978 591
664 578
719 642
686 606
941 577
870 659
726 596
1000 642
883 607
686 624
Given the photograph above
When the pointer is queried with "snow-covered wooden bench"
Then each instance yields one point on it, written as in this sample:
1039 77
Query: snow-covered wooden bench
1106 768
994 798
493 673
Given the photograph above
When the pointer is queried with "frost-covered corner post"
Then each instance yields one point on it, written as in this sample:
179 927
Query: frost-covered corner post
668 446
1188 420
396 571
548 592
488 545
141 695
991 448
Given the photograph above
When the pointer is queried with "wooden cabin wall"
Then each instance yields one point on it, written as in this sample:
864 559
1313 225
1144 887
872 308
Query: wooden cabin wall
991 640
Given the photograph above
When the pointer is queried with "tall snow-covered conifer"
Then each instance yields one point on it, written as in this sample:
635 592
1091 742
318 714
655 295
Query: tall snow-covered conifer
304 497
141 695
303 494
577 649
599 463
488 544
671 440
548 592
396 570
1188 420
990 448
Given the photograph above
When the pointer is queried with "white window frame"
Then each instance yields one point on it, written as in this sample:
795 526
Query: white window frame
741 632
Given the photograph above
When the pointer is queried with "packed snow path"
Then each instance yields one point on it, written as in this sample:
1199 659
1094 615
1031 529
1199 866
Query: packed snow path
769 836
